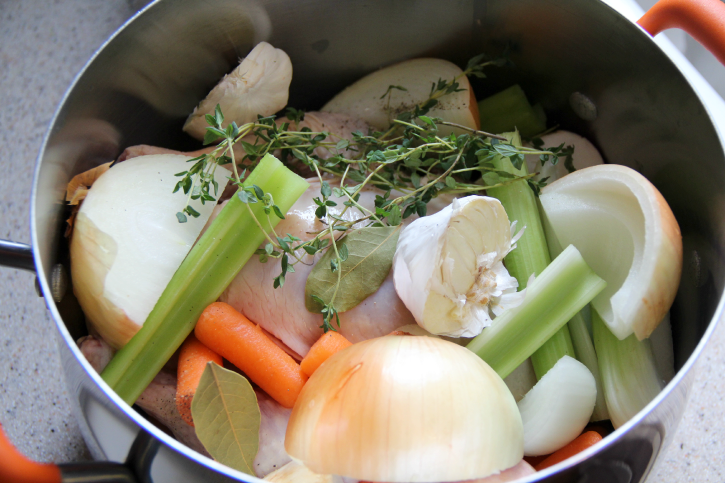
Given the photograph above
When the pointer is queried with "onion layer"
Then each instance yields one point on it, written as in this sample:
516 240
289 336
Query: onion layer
405 409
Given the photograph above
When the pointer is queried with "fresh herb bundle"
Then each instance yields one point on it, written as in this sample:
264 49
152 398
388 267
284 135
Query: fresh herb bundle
411 162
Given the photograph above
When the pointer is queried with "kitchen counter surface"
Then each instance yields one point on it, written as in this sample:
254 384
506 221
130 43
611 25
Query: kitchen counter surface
43 44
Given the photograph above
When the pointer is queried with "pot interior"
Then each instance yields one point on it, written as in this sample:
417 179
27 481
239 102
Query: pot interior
141 86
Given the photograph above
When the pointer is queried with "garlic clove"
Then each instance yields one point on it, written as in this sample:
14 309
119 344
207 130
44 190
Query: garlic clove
448 267
585 155
363 98
405 409
127 242
628 234
258 86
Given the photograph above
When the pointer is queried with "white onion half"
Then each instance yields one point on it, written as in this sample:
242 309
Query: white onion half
366 99
405 409
559 406
627 233
127 242
585 155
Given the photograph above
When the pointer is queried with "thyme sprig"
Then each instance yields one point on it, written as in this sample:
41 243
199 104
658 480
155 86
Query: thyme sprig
417 159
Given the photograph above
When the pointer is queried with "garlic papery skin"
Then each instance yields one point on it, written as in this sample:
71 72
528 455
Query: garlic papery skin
405 409
127 242
558 407
585 155
628 235
258 85
448 267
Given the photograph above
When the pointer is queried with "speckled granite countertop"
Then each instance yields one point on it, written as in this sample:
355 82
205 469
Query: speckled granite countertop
43 44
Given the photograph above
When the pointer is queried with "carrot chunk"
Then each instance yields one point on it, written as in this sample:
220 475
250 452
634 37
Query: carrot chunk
326 346
193 358
584 441
231 335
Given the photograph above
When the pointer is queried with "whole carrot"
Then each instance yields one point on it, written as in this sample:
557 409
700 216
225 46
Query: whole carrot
193 358
584 441
231 335
330 343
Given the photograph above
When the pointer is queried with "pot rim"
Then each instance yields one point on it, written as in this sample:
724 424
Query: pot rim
169 441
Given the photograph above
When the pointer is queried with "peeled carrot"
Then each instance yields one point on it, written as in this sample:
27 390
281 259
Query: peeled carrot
231 335
584 441
16 468
193 358
326 346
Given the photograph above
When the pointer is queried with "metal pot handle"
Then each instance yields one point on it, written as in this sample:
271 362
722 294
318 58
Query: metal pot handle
704 20
16 255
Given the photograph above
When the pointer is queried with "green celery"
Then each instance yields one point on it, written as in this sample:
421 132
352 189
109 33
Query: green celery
580 336
207 270
629 373
559 292
509 110
531 255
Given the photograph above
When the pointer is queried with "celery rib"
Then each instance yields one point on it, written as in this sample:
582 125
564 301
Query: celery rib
531 255
560 291
207 270
580 336
629 373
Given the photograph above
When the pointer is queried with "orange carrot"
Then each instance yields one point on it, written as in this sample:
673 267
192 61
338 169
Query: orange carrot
193 358
231 335
327 345
590 438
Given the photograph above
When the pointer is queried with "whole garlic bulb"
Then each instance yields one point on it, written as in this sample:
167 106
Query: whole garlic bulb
448 267
258 85
405 409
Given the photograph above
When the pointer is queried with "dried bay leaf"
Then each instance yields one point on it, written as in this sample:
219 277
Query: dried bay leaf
370 257
227 417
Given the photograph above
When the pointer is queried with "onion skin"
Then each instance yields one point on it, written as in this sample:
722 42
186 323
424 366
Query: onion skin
405 409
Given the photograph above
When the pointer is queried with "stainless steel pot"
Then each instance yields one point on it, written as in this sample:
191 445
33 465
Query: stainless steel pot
594 72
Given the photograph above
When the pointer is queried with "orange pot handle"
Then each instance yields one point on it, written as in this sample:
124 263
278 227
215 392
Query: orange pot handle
703 19
16 468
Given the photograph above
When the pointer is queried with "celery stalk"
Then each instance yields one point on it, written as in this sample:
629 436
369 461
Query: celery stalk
531 255
629 372
578 330
207 270
508 110
559 292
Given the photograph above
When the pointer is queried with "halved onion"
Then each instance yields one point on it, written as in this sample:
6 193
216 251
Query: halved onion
366 99
127 242
585 155
405 409
626 232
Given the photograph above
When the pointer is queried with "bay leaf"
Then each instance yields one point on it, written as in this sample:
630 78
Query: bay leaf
227 417
369 259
